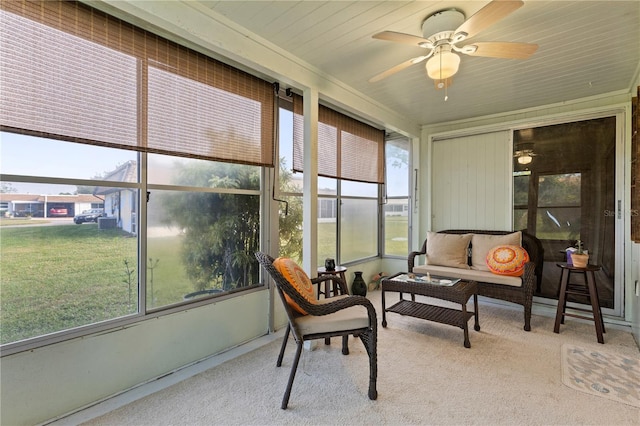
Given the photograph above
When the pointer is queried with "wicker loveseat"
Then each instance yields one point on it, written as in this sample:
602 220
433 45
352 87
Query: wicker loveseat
511 289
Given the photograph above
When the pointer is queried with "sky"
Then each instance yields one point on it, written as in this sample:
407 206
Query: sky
32 156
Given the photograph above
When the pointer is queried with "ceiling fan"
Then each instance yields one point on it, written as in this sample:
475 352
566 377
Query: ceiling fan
524 156
444 30
523 150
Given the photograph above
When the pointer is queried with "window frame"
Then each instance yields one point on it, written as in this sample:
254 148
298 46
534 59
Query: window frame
409 200
263 90
143 313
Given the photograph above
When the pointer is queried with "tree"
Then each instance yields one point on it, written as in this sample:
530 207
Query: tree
398 151
290 218
221 231
7 188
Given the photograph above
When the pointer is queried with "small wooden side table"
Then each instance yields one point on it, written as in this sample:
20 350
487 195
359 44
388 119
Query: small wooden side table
330 288
588 289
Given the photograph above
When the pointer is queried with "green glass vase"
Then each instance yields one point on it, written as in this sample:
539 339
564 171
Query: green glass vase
358 287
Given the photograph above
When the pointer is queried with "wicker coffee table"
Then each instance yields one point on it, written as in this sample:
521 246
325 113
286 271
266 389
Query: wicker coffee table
460 292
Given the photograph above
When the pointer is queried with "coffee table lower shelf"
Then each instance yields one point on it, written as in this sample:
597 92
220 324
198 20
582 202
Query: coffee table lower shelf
440 314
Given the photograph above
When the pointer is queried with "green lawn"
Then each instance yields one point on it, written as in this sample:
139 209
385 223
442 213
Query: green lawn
59 277
16 221
396 238
170 283
54 278
396 235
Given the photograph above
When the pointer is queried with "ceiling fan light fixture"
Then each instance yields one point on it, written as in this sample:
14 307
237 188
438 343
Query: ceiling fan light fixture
442 65
525 159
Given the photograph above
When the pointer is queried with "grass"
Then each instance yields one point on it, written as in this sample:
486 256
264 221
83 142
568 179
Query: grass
396 241
59 277
396 235
170 283
17 221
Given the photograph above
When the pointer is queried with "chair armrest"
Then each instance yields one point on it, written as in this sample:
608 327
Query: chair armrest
412 256
342 303
529 278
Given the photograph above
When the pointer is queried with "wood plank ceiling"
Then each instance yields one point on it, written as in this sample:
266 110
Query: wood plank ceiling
586 48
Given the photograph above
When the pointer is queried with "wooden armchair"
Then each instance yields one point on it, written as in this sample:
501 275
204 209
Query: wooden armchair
337 316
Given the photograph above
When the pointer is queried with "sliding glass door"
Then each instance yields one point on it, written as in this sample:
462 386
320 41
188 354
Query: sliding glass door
564 191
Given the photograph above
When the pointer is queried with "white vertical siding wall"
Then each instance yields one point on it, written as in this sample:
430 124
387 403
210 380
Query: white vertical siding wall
471 182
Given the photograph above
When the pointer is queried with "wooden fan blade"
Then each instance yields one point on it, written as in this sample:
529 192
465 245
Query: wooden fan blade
504 49
487 16
399 67
401 38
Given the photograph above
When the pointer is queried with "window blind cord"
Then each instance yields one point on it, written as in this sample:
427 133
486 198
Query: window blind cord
276 148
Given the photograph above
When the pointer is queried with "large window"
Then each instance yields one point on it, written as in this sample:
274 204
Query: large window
65 263
396 208
203 223
348 213
110 133
290 189
359 224
328 212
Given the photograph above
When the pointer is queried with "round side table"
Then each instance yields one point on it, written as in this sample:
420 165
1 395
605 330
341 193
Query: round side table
330 288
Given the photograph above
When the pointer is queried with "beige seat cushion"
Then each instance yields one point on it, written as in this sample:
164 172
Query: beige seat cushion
448 249
469 274
481 244
346 319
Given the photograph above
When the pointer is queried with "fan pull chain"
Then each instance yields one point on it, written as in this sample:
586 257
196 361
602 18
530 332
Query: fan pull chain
446 83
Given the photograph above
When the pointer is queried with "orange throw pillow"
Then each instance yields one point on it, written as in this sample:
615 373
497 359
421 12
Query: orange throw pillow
507 260
298 279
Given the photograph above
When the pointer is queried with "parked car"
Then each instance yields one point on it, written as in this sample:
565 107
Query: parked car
89 216
58 211
28 212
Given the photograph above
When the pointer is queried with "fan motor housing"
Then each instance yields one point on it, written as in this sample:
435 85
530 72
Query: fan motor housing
441 25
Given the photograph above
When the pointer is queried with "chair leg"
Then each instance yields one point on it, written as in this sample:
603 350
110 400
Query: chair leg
292 375
527 315
284 345
370 341
345 345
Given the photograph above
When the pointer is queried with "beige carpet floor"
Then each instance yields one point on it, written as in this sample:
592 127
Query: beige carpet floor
426 376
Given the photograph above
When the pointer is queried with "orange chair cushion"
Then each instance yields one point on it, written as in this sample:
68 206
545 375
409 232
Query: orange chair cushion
298 279
507 260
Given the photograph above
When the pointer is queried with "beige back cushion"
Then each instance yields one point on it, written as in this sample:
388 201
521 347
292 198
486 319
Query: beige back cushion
481 245
448 249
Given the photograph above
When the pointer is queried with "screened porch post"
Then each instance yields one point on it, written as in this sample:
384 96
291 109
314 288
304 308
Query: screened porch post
310 182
